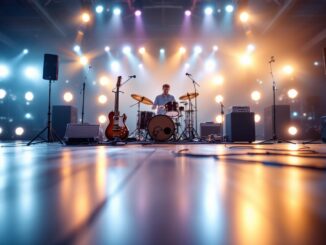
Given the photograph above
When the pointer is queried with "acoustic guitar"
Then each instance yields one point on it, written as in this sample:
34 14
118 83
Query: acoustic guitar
117 128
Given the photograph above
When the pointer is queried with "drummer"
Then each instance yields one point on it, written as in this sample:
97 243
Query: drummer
162 99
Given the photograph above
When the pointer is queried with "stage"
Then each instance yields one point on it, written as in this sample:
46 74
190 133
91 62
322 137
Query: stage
163 194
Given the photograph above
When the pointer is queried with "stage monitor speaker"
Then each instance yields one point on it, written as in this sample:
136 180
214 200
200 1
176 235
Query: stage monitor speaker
61 116
210 128
50 67
82 133
282 122
240 127
323 128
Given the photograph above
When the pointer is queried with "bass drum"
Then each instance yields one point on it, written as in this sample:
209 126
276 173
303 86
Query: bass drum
161 128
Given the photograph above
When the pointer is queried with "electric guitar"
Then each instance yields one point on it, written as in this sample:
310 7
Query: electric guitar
117 126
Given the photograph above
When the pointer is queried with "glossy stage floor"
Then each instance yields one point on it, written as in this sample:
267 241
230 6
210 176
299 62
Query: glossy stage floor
163 194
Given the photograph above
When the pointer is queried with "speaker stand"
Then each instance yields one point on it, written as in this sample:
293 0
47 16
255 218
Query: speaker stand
51 135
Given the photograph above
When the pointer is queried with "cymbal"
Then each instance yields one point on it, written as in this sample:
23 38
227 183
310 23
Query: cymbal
188 96
142 99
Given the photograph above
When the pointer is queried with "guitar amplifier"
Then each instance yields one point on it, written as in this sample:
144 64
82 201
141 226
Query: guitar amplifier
210 128
82 133
240 126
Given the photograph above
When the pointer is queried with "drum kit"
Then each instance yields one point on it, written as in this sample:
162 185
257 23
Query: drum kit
166 127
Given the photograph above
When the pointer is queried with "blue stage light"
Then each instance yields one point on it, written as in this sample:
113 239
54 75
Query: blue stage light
229 8
99 9
4 71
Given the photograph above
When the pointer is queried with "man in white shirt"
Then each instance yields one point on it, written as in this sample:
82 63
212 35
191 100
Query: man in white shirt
162 99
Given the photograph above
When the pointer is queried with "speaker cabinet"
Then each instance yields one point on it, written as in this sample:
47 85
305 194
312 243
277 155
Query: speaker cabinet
210 128
50 67
82 133
240 126
282 121
323 128
61 116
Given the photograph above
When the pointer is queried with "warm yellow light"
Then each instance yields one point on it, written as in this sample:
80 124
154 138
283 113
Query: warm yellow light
104 80
219 98
68 96
142 50
255 96
102 99
292 130
182 50
288 69
83 60
85 17
292 93
219 118
244 17
218 80
246 60
257 118
102 119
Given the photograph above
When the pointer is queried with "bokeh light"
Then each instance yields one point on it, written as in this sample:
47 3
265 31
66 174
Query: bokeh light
77 48
116 11
137 12
246 60
219 98
229 8
208 11
3 93
288 69
107 49
68 97
83 60
19 131
31 73
25 51
244 17
293 130
1 130
102 99
219 119
142 50
219 80
102 119
292 93
255 96
198 49
257 118
29 96
85 17
187 12
182 50
104 80
4 71
99 9
28 116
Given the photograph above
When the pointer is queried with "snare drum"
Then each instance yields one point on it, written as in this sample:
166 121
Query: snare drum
172 109
161 128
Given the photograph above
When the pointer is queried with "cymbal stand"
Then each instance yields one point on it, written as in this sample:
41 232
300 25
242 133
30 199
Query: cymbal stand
189 133
137 131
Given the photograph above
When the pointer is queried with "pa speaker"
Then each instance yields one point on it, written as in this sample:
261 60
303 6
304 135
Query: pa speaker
323 128
240 126
61 116
282 121
50 67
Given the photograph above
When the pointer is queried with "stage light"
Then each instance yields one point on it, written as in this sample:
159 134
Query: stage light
229 8
219 119
126 50
116 11
208 10
316 63
244 17
25 51
83 60
215 48
102 99
4 71
115 65
99 9
182 50
77 48
288 70
29 96
85 17
257 118
251 48
102 119
294 114
3 94
219 98
255 96
142 50
162 50
1 130
210 64
137 12
68 96
187 65
31 72
107 49
141 66
292 130
292 93
218 80
19 131
198 49
187 12
104 80
246 60
28 116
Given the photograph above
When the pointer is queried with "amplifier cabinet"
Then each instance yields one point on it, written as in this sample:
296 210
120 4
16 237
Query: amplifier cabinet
240 127
209 128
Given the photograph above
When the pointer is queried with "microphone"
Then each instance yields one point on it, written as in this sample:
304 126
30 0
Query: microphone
272 59
134 76
188 74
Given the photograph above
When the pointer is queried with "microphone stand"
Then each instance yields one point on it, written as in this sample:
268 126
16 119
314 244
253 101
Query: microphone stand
83 92
195 84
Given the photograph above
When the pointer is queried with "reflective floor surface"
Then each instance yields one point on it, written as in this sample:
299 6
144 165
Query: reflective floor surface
163 194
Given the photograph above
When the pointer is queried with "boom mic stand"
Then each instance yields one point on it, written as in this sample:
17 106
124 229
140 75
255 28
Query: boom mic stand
275 138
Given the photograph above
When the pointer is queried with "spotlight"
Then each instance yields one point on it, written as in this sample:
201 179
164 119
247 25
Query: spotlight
251 48
77 48
215 48
137 12
257 118
219 98
28 116
68 97
162 51
83 60
3 94
292 130
246 60
99 9
29 96
255 96
208 10
102 119
316 63
85 17
294 114
182 50
116 11
31 72
104 80
107 49
115 65
187 65
141 66
244 17
126 50
219 119
229 8
219 80
210 64
142 50
292 93
288 70
198 49
1 130
4 71
25 51
19 131
187 12
102 99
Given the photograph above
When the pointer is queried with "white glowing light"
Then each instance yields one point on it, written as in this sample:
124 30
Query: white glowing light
68 96
25 51
210 64
115 65
219 119
142 50
219 98
219 80
215 48
102 119
137 12
246 60
1 130
4 71
85 17
99 9
3 93
257 118
288 70
244 17
102 99
29 96
229 8
162 51
77 48
208 10
292 130
187 13
292 93
182 50
19 131
251 48
198 49
316 63
126 50
107 49
31 72
83 60
28 116
255 96
116 11
104 80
